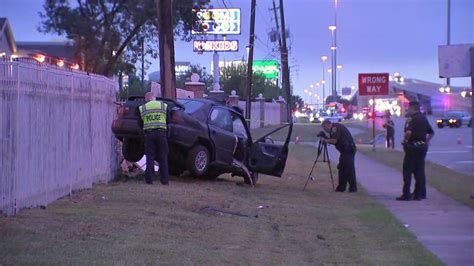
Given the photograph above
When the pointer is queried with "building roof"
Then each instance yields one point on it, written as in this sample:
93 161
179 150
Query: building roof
58 49
6 30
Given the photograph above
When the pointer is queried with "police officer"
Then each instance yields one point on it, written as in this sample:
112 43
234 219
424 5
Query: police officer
418 133
154 116
390 133
340 136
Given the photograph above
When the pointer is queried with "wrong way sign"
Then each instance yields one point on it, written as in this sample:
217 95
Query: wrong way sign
372 84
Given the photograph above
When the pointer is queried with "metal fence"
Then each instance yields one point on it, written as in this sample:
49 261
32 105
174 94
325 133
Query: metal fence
55 133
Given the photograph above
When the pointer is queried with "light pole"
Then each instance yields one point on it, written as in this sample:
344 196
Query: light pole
339 67
333 60
316 95
448 35
324 58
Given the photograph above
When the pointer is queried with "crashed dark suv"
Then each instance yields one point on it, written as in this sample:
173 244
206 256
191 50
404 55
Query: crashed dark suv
206 138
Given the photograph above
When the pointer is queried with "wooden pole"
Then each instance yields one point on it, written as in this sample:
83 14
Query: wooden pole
250 61
165 28
284 64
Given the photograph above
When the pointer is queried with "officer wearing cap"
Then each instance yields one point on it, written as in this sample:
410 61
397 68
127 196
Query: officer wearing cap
154 117
418 134
340 137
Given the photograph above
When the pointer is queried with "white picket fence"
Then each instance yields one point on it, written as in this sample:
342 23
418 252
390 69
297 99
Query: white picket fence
55 134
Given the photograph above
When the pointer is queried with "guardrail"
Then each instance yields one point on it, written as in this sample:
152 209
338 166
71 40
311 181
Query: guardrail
55 133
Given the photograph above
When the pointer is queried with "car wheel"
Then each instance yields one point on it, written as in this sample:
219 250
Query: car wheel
133 149
198 160
458 125
440 126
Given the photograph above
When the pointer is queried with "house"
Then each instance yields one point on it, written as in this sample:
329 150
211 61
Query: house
7 42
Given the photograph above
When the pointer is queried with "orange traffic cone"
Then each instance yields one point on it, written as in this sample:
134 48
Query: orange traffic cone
297 140
458 140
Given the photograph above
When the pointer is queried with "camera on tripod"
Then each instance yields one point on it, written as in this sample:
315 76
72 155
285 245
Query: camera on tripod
322 148
322 134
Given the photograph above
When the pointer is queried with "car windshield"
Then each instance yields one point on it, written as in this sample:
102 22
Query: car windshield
191 106
455 114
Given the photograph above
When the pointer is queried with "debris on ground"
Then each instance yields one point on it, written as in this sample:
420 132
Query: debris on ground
222 212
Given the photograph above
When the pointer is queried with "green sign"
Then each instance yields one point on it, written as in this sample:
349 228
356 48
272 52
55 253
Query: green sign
269 68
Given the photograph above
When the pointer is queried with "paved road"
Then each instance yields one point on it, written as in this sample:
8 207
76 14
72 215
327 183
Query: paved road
444 148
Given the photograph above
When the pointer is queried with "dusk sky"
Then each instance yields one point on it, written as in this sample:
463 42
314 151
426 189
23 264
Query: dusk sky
373 35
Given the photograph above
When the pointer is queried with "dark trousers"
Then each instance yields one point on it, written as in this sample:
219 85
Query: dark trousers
347 173
414 163
156 147
390 140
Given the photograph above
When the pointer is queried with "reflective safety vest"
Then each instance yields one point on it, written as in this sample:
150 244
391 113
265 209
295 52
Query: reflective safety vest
153 114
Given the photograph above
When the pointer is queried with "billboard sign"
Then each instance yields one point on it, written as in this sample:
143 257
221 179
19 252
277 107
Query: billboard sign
217 21
371 84
346 91
269 68
219 46
454 60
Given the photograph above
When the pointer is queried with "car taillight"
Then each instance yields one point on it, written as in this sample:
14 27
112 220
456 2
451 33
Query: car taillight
121 110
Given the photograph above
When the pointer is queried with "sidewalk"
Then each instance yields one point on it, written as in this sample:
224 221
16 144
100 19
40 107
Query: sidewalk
442 225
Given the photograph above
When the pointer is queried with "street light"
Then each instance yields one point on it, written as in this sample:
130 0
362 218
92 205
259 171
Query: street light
332 28
339 67
324 58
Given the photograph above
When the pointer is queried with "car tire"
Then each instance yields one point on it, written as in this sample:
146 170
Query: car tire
133 149
440 126
197 161
458 125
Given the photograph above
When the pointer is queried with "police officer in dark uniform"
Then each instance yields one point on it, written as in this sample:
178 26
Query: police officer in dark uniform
340 136
153 118
418 134
390 126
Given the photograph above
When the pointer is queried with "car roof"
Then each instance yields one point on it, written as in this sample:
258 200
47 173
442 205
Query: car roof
209 102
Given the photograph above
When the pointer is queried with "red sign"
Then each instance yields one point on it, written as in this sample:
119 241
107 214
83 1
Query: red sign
373 84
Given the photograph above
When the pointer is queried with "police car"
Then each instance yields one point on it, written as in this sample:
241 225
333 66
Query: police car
455 119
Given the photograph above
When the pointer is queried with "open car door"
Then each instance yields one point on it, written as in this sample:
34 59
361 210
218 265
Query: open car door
267 157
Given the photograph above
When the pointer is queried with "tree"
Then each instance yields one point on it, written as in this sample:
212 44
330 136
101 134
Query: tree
135 87
204 77
108 32
296 101
235 78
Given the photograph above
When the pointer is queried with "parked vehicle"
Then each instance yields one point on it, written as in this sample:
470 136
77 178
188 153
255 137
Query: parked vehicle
206 138
333 117
455 119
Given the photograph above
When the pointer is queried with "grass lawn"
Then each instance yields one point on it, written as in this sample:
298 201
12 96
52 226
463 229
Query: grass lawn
214 222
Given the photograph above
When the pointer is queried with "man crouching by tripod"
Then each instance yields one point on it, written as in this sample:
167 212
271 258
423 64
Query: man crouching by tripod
340 137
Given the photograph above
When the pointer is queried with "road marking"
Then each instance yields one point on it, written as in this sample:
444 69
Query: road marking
433 152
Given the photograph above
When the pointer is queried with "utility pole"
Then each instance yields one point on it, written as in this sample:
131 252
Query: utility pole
274 9
250 61
143 58
276 22
284 63
165 28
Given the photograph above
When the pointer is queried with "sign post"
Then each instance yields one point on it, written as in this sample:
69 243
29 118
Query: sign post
372 84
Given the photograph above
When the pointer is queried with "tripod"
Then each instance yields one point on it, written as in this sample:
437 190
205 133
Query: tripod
322 148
